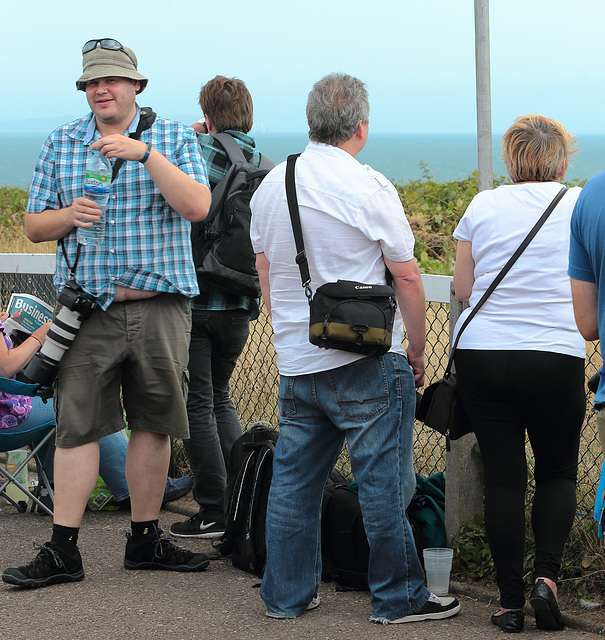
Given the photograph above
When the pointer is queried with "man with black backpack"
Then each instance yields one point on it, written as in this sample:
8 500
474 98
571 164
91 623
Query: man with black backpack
229 288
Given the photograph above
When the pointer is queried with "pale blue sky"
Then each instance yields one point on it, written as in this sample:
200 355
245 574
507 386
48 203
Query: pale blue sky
417 58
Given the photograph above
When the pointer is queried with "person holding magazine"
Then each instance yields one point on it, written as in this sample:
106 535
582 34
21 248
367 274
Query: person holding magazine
14 409
520 363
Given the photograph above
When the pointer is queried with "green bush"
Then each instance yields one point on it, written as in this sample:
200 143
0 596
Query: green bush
12 207
433 210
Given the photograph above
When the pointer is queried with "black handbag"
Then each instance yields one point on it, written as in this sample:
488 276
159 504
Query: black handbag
345 315
439 407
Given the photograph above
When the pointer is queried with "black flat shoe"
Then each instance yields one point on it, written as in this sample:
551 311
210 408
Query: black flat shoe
548 614
509 621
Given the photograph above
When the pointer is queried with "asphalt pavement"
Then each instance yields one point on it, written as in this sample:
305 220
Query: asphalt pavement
221 603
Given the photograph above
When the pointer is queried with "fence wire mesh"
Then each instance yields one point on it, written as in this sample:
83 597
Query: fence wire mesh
255 382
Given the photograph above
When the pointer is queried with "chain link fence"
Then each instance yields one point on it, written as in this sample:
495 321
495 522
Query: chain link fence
255 382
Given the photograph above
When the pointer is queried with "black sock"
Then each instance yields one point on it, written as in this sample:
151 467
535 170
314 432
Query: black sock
142 530
65 537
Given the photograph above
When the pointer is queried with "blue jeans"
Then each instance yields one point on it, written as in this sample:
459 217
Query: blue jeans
217 340
112 464
371 403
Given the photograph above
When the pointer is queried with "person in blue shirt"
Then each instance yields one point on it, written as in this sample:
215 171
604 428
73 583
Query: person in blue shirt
587 272
131 354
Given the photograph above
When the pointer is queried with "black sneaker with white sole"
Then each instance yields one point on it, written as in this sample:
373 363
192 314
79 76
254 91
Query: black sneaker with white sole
198 526
436 608
52 565
157 552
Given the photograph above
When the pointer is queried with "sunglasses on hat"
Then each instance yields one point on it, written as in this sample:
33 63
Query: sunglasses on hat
106 43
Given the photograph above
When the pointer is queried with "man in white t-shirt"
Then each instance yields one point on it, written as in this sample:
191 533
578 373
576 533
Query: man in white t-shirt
354 227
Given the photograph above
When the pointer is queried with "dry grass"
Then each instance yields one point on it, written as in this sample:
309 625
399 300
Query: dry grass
18 243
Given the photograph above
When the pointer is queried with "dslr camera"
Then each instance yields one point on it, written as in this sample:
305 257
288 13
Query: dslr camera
76 306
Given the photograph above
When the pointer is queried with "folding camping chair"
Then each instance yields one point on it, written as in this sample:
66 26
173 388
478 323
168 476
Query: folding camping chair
38 438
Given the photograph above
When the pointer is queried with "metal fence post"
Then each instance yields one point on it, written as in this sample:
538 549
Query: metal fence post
464 481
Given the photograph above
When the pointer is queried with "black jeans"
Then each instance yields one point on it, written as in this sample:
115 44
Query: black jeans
505 394
217 340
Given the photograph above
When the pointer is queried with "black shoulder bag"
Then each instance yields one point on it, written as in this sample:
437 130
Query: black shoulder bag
345 315
439 407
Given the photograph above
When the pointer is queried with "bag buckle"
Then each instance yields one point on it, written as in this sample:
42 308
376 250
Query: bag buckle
360 329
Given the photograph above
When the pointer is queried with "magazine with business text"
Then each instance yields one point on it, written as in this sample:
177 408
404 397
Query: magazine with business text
26 313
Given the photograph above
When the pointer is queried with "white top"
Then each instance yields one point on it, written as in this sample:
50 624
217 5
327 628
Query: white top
350 216
531 309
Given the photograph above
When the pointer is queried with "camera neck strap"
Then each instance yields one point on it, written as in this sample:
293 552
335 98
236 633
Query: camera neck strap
505 269
146 119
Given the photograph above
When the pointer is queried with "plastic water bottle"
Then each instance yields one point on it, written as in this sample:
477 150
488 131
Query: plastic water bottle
97 182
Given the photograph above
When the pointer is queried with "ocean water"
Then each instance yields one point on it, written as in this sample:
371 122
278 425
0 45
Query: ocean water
398 156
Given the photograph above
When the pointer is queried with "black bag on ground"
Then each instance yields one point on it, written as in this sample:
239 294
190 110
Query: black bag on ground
222 251
345 552
249 480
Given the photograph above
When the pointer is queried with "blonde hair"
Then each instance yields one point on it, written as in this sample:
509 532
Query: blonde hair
536 149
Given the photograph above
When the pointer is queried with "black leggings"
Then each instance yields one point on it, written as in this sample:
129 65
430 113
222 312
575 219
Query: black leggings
504 394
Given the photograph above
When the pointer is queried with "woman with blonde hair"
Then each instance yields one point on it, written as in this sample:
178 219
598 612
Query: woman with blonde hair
520 363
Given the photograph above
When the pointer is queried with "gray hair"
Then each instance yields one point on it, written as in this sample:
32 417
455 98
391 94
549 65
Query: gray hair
335 106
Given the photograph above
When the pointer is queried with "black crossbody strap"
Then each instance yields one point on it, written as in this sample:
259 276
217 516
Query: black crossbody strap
301 256
505 269
147 118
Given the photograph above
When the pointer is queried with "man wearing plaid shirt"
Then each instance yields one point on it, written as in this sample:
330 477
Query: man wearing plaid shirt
221 325
131 354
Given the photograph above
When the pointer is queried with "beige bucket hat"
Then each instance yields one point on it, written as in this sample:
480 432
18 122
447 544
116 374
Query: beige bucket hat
107 57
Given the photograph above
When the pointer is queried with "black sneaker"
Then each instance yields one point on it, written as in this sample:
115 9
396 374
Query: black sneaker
160 553
51 566
197 527
436 608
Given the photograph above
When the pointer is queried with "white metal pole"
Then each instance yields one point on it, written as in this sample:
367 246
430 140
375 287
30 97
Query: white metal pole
464 489
484 105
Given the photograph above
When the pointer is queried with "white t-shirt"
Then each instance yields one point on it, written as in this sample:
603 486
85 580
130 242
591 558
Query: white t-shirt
531 309
350 216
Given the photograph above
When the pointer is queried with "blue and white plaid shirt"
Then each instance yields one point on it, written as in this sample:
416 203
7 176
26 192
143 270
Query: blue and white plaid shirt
147 244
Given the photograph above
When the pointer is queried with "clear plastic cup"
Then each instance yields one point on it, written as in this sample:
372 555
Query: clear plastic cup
437 566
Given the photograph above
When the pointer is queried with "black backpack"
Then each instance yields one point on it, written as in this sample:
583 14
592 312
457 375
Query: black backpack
249 479
345 552
222 251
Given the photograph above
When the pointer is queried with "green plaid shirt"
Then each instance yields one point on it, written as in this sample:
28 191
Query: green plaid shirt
217 162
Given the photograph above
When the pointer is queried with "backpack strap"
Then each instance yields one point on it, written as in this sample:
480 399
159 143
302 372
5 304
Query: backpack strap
235 154
230 147
264 163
